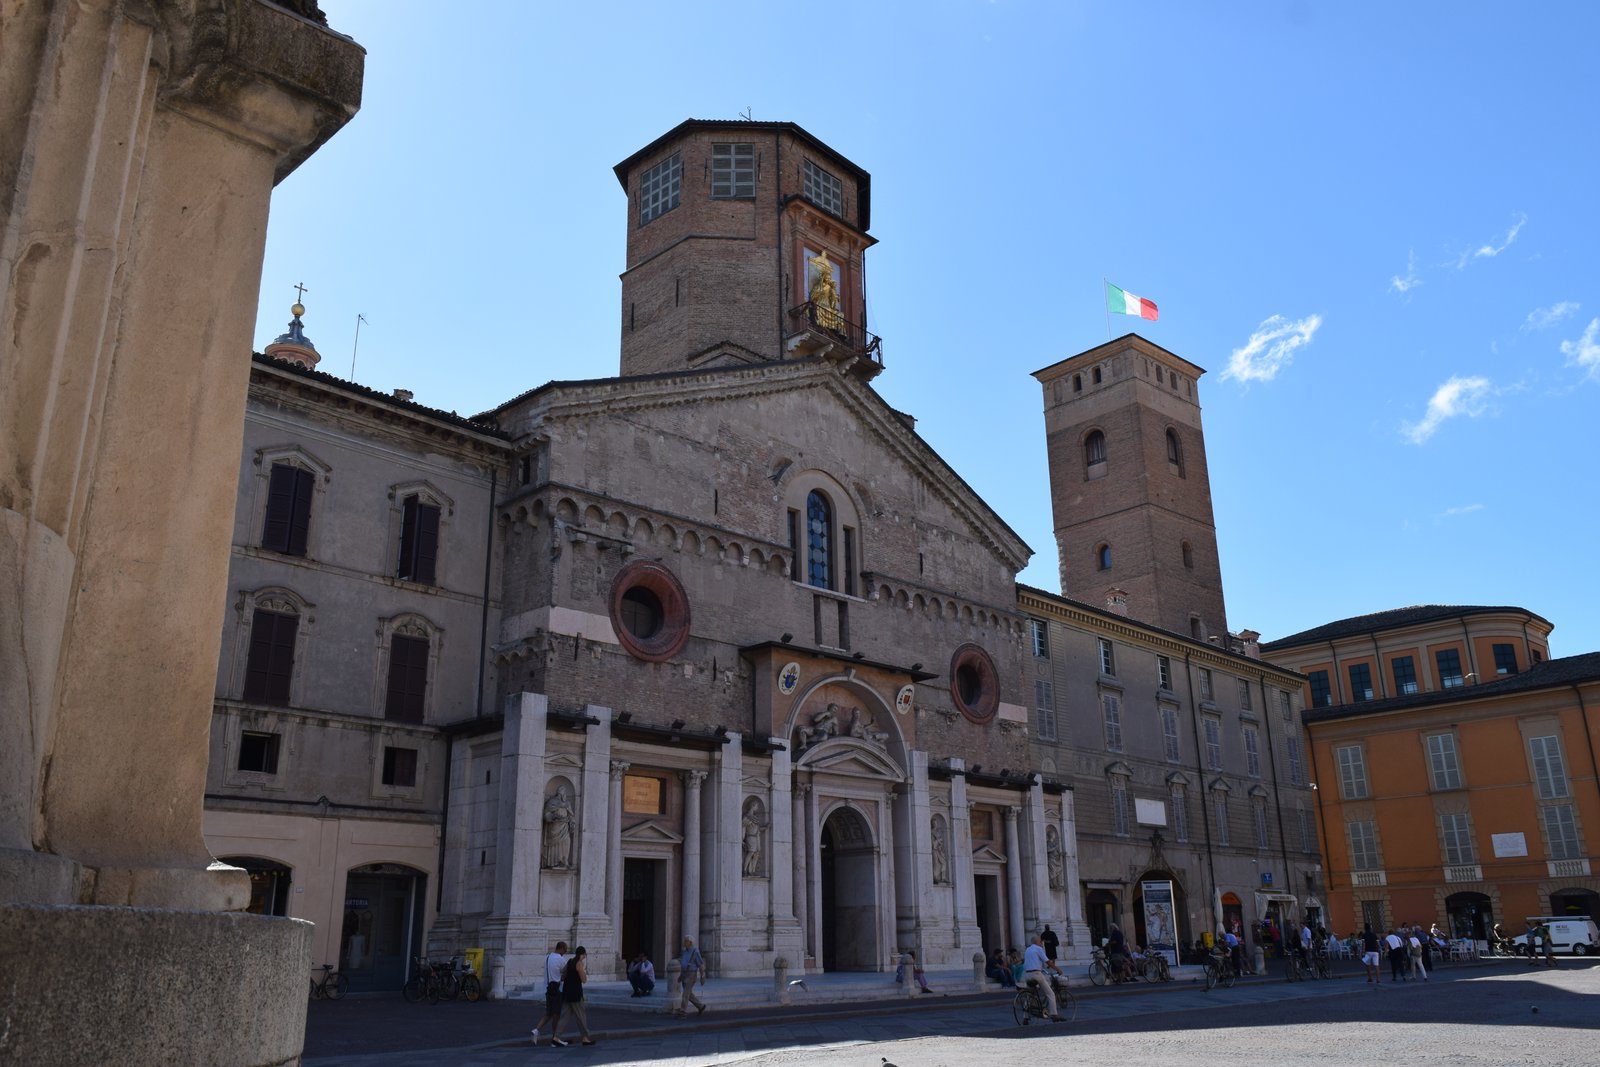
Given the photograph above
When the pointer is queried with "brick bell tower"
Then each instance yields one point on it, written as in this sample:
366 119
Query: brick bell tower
1129 486
746 244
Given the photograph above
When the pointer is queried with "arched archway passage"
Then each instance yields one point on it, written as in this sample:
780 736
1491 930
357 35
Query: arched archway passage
849 894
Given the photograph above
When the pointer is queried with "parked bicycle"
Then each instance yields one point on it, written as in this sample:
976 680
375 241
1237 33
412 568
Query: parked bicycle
1321 963
1219 971
423 984
442 980
1296 969
332 985
1103 970
1152 967
1028 1004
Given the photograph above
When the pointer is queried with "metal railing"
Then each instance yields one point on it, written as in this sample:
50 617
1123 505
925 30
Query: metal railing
809 318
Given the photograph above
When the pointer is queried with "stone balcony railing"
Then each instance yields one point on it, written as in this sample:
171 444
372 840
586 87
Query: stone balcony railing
1369 879
1578 868
1464 872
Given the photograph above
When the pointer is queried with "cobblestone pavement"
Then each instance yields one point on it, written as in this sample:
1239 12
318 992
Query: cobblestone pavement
1477 1016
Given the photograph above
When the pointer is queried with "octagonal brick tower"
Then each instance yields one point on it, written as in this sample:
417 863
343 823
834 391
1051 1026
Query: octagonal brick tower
728 222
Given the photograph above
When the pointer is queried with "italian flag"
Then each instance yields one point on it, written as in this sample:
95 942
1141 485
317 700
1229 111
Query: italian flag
1122 303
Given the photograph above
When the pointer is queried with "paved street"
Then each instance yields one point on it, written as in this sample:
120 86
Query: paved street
1465 1017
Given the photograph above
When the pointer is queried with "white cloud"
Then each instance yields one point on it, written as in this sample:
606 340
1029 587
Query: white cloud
1458 396
1271 348
1489 251
1585 351
1468 509
1544 318
1404 285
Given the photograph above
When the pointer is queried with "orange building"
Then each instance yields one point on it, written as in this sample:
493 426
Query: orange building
1455 765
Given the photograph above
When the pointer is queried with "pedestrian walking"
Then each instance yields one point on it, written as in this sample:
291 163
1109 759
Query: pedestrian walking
1418 968
1397 955
691 965
1051 942
554 965
1369 954
573 1007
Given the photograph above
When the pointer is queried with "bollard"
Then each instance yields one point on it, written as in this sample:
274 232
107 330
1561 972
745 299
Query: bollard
674 985
1259 958
980 977
497 979
780 980
908 977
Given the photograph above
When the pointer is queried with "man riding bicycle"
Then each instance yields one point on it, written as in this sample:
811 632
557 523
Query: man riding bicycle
1034 965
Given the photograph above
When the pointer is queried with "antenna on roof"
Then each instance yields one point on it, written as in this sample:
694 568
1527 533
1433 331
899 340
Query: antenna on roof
748 114
360 318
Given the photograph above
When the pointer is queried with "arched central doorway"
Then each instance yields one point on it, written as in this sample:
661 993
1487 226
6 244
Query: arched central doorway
849 894
1471 915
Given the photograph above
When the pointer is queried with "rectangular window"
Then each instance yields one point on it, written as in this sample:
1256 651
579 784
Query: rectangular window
1505 659
823 189
399 766
1561 829
1224 832
1458 846
1108 661
1119 805
1180 816
1258 814
660 188
1449 664
1363 846
270 663
288 509
1443 763
1360 682
419 541
1252 752
1285 705
1297 767
1352 772
1405 675
1169 735
1321 695
1308 840
1549 769
733 171
408 678
258 752
1044 699
1041 638
1205 684
1244 695
1213 744
1164 672
1111 708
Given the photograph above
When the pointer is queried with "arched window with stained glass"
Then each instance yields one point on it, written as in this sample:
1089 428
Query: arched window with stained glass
819 540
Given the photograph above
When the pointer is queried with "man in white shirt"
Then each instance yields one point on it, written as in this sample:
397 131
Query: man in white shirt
1034 965
554 964
1397 956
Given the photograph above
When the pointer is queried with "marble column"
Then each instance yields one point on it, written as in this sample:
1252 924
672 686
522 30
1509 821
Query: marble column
692 781
1014 878
782 823
802 867
814 876
1077 929
594 928
722 918
614 842
967 934
914 863
1036 898
888 933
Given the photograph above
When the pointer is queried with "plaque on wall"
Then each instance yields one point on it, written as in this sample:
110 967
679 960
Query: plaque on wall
904 699
789 678
642 795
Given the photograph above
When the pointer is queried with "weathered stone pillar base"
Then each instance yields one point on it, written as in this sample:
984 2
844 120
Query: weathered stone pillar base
151 986
520 943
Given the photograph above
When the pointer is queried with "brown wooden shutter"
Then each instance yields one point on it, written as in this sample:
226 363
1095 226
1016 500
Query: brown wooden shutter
270 665
408 678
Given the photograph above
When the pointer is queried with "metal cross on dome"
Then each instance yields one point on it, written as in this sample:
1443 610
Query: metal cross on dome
301 289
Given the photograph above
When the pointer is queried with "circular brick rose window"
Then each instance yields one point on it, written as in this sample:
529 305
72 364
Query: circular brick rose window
649 611
974 683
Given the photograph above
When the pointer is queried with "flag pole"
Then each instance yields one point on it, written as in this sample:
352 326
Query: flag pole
1104 285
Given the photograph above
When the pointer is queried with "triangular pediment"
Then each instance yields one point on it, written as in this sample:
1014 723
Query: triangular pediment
847 756
562 761
651 833
987 854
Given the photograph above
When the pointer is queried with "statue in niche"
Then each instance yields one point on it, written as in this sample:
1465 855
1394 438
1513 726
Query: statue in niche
558 837
941 854
824 293
752 841
1054 859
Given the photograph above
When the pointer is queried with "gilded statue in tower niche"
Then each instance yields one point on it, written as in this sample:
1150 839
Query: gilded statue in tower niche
824 293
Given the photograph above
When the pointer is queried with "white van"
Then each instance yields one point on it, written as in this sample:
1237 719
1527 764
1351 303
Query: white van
1577 935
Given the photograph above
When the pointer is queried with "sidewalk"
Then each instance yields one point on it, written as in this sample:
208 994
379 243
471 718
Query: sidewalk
383 1023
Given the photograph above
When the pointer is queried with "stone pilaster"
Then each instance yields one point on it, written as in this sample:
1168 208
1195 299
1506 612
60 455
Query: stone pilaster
782 845
594 929
514 932
967 934
1014 867
1077 925
692 782
614 850
722 918
802 871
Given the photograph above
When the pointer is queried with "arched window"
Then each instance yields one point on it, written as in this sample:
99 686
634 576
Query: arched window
1097 376
819 541
1094 448
1103 557
1188 556
1174 453
1077 383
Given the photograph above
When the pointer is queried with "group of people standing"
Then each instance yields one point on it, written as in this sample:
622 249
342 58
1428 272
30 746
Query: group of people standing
1409 949
565 976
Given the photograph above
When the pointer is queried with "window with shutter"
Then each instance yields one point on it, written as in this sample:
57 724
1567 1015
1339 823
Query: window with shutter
419 541
288 519
408 678
270 664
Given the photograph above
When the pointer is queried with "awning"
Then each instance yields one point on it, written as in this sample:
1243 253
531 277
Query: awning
1263 899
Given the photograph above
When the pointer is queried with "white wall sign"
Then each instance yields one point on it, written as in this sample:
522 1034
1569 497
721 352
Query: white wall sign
1508 845
1149 812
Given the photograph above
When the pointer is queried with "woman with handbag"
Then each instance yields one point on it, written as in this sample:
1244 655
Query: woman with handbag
572 980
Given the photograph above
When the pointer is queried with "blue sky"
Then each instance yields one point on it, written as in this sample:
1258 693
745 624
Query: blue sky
1373 224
